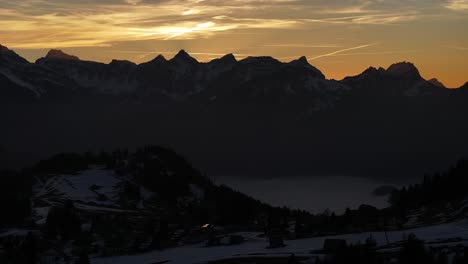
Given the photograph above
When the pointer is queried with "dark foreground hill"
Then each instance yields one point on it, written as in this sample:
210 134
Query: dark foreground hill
73 206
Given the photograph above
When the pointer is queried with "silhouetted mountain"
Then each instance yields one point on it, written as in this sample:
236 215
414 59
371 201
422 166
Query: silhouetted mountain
21 80
93 77
303 62
465 86
182 57
404 70
9 56
400 79
263 115
437 83
60 55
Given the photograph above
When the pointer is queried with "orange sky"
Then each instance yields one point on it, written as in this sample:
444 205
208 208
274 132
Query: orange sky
340 37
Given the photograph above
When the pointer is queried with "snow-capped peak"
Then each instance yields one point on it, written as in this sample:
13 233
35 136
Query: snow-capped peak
58 54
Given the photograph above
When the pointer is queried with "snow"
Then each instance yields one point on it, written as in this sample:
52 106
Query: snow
257 246
95 189
462 209
12 77
40 214
112 86
96 186
17 232
197 192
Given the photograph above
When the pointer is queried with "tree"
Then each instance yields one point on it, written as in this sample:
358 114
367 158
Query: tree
83 259
63 221
413 251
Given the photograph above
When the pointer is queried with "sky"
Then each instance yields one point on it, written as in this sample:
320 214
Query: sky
340 37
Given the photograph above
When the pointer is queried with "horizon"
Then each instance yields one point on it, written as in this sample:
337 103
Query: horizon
342 38
238 58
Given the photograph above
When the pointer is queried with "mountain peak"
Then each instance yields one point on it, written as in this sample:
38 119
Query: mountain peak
372 71
436 82
9 55
156 61
184 56
60 55
3 48
226 60
229 57
159 58
122 63
404 69
261 60
302 61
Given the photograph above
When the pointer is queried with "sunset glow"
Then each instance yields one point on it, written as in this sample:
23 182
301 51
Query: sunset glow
341 37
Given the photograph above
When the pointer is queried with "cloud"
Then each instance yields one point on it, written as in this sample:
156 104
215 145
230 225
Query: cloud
457 4
74 25
64 23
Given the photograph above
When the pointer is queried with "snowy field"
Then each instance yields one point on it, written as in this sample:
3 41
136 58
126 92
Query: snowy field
79 187
314 194
95 189
257 246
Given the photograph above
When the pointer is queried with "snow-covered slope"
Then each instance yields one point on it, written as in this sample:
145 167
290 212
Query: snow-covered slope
98 189
256 246
98 186
18 76
95 189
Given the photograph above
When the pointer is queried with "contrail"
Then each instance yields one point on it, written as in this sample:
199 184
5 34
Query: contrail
458 47
343 50
303 46
378 52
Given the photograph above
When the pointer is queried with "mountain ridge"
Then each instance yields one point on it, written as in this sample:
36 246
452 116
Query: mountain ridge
399 70
228 106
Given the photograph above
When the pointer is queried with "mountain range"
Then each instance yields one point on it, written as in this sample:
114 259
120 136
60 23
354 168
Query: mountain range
245 117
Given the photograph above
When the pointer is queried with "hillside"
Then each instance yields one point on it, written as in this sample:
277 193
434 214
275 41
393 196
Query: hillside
120 203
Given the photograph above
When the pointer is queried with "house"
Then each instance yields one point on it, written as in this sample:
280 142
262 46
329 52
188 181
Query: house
51 256
275 236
